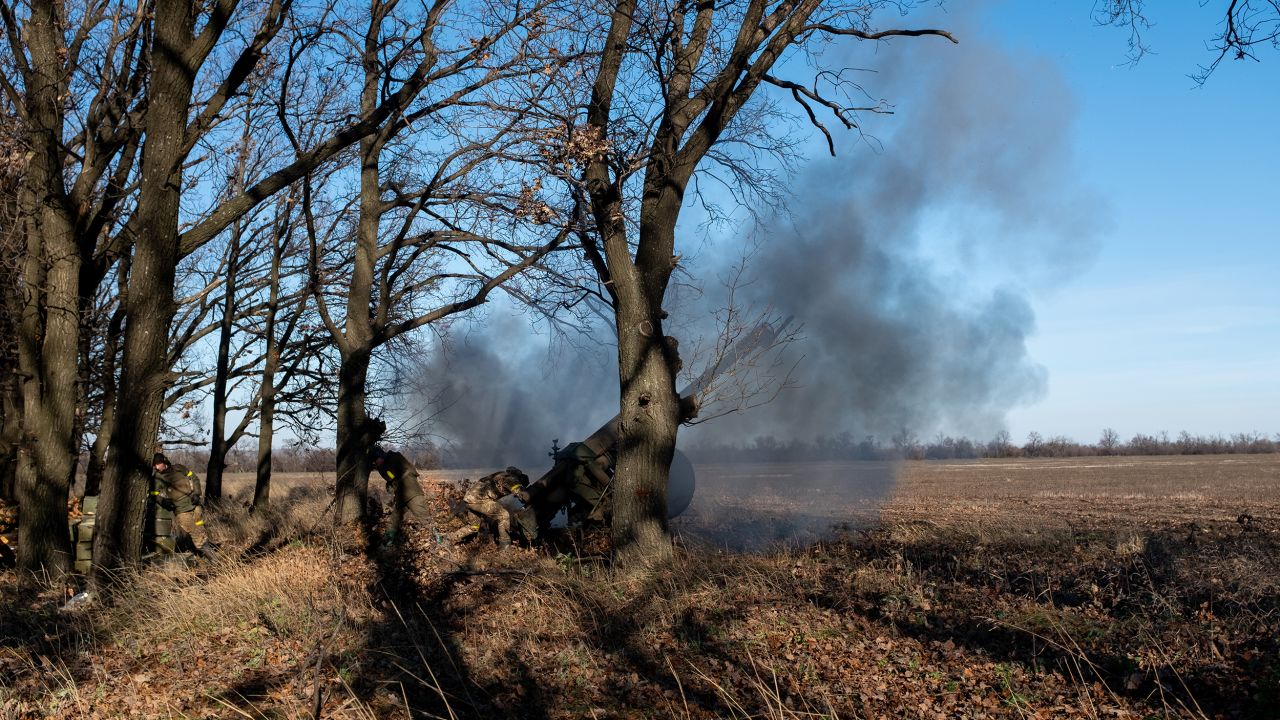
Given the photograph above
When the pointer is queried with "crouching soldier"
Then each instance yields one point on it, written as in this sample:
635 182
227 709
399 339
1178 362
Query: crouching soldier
177 489
488 501
580 480
402 480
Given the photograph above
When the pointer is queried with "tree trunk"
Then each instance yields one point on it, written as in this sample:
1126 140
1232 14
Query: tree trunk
647 367
46 457
266 435
150 306
50 325
218 445
84 374
352 488
267 388
10 386
10 436
650 409
11 267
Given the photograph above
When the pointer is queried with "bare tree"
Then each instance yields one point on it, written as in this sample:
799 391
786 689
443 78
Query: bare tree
1035 446
281 352
669 87
74 76
249 240
175 122
1109 442
99 366
437 226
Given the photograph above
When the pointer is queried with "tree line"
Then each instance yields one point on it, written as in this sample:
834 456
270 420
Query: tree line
906 446
269 204
841 447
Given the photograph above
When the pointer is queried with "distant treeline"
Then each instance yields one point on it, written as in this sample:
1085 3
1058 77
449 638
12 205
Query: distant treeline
944 447
295 459
839 447
291 459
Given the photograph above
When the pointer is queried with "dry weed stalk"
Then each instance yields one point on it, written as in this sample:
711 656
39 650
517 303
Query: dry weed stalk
770 695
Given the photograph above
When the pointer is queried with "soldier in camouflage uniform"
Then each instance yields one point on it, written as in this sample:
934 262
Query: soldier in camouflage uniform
402 479
580 480
177 488
484 500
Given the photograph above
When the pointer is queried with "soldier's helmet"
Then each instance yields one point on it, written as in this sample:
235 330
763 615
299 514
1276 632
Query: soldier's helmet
516 476
160 459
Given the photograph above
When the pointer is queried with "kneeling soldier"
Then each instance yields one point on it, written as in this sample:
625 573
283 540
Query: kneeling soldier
178 489
485 499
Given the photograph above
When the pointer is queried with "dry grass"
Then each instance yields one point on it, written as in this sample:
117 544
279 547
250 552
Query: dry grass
1009 611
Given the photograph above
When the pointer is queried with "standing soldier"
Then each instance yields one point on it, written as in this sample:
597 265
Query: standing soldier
402 479
178 489
484 499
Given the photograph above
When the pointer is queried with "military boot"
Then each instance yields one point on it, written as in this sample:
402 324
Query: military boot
209 552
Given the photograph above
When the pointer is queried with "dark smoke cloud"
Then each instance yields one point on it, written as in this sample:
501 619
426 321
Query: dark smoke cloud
887 258
907 267
501 397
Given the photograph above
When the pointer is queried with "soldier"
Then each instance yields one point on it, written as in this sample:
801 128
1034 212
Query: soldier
485 499
178 489
402 479
580 480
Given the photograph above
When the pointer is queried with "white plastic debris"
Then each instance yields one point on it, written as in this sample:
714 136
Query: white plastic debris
78 601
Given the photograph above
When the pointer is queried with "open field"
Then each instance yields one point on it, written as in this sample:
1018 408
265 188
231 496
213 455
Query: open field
1099 490
786 503
806 499
1091 587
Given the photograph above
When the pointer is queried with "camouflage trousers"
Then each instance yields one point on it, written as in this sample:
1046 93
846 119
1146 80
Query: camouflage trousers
487 511
416 507
191 524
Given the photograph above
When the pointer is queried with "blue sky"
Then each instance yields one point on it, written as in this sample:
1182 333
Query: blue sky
1176 322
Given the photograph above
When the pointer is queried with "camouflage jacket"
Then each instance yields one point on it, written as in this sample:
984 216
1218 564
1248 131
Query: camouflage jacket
402 475
181 486
496 485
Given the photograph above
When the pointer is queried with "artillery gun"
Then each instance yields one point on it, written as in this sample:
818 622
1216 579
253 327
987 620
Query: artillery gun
581 480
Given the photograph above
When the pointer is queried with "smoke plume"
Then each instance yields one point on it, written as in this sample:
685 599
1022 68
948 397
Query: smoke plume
501 397
908 266
907 261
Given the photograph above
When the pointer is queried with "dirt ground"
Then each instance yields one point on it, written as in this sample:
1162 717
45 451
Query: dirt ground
1091 587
